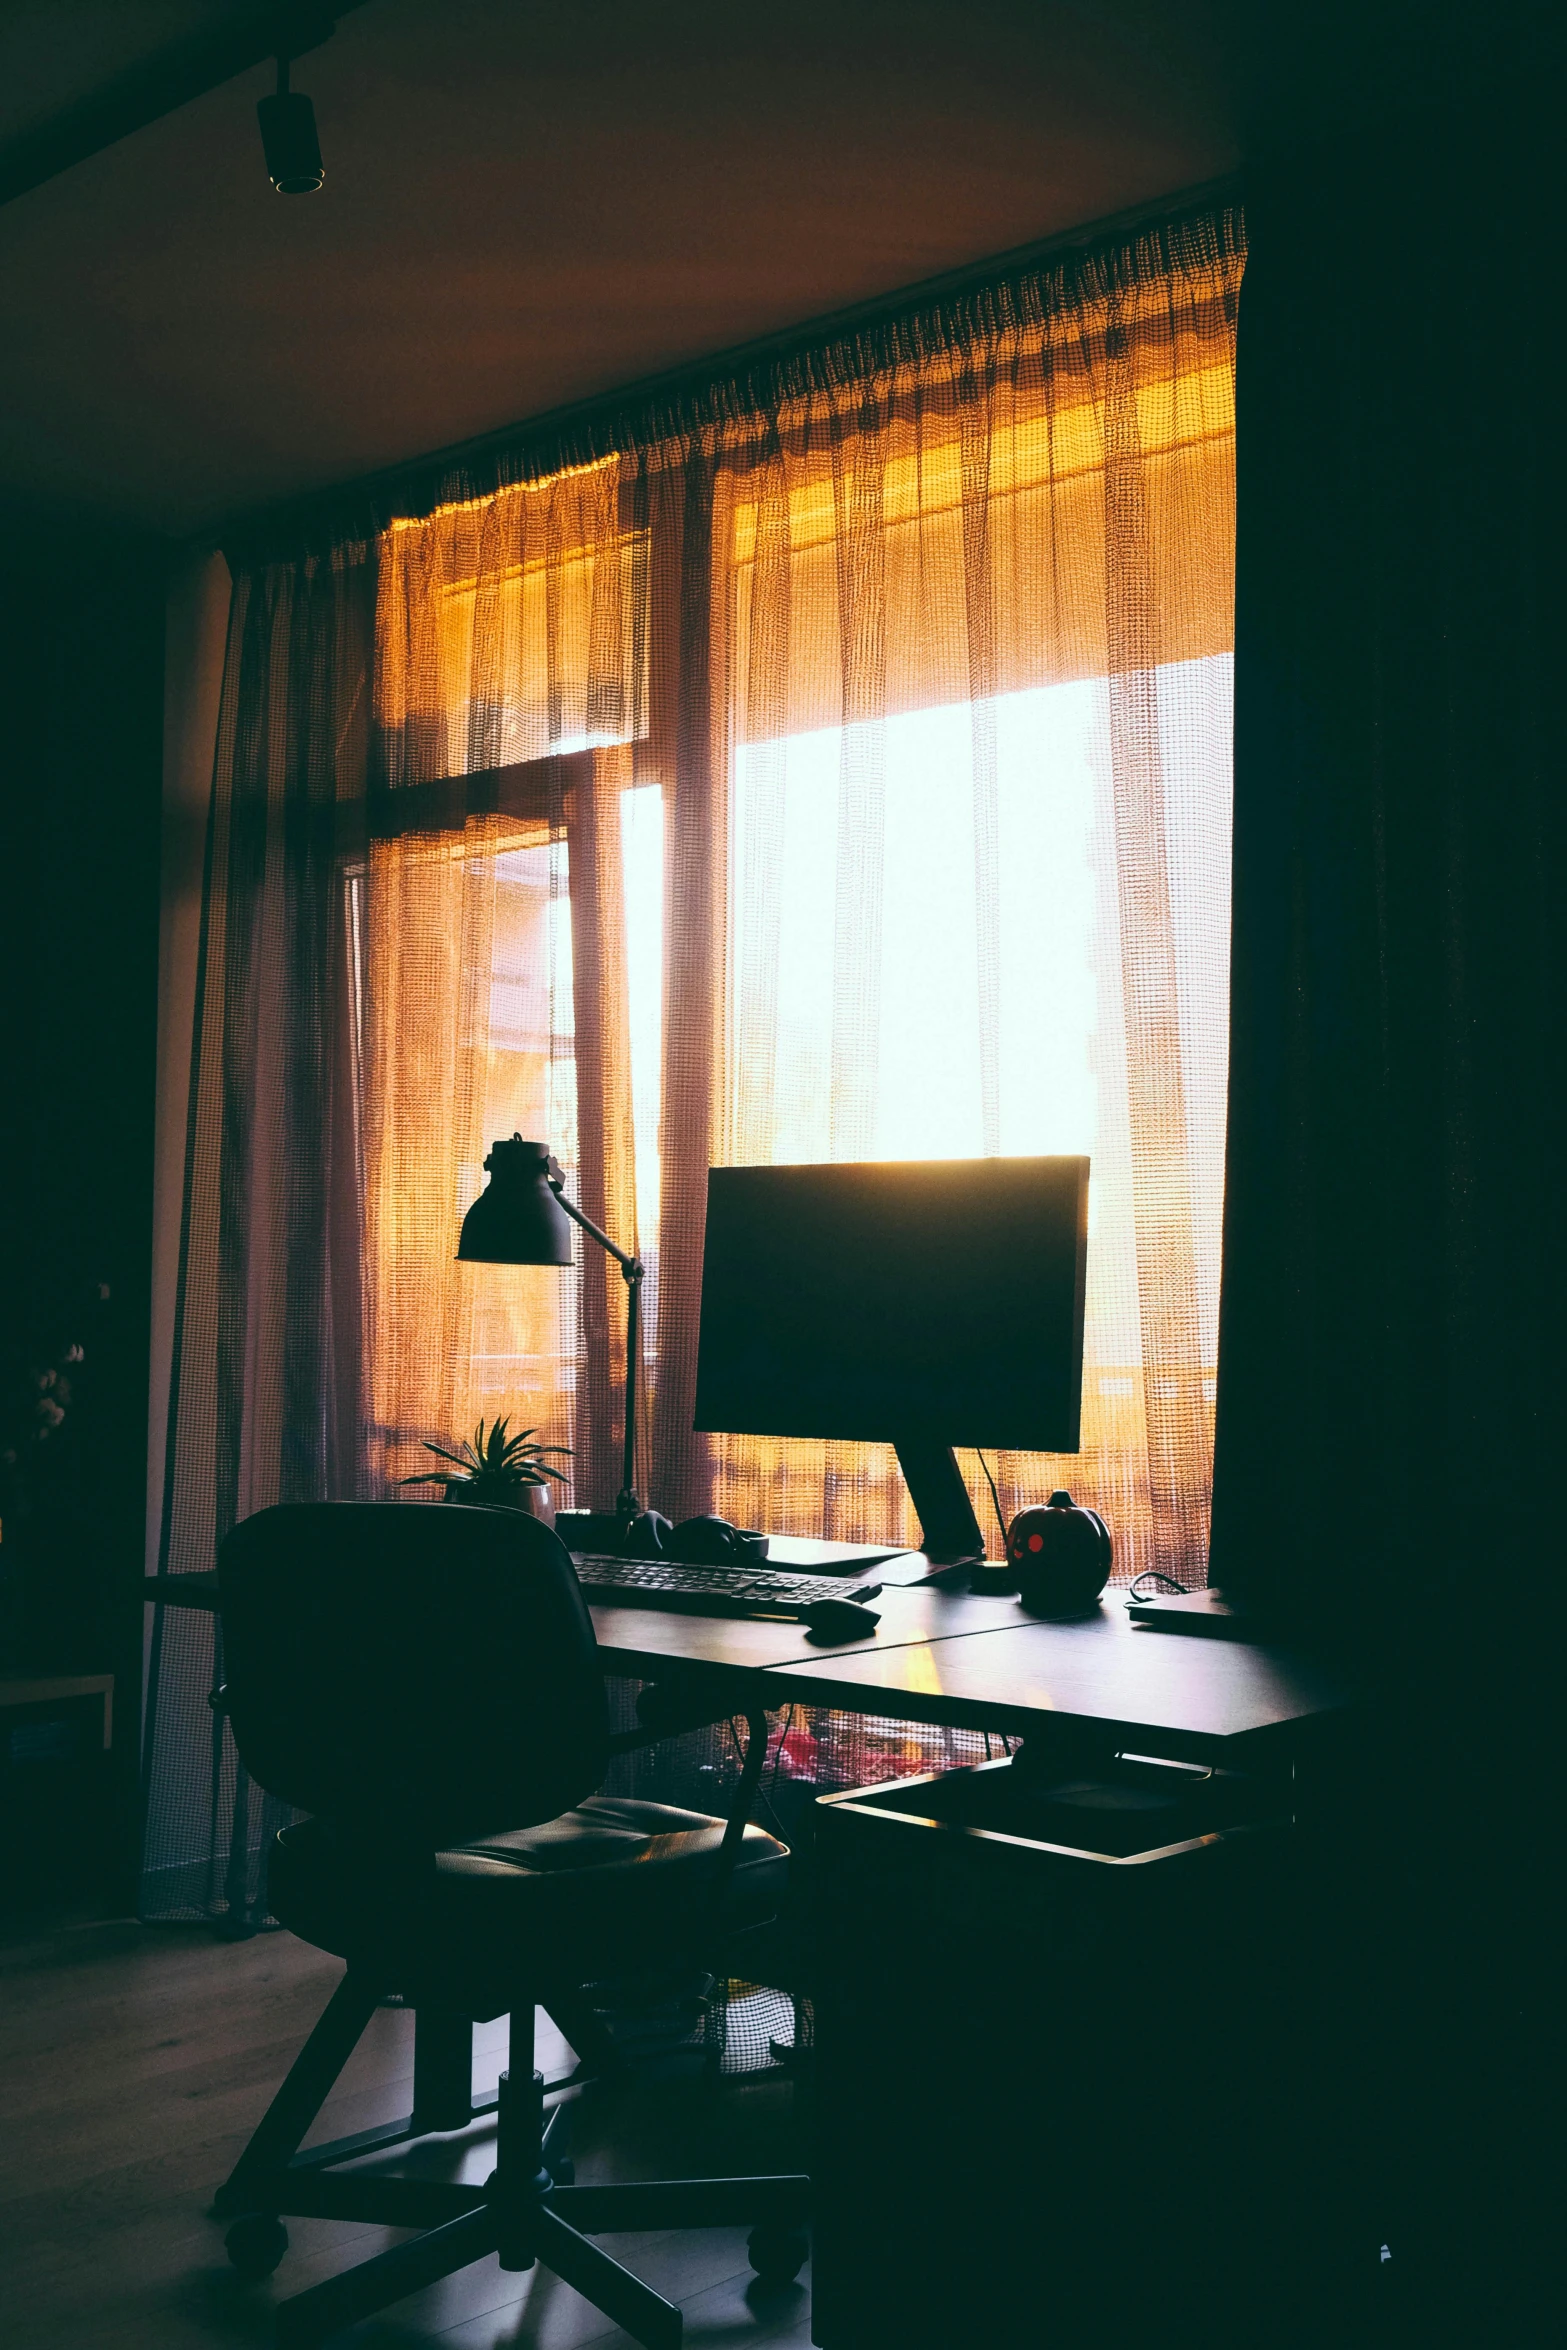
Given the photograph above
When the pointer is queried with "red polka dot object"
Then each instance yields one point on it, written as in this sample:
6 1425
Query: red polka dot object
1064 1555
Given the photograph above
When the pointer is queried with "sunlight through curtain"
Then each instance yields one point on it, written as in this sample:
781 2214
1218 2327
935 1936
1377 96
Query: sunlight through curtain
509 674
847 777
831 764
977 614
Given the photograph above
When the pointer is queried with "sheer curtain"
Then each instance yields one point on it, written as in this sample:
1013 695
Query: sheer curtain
834 765
977 606
914 678
510 681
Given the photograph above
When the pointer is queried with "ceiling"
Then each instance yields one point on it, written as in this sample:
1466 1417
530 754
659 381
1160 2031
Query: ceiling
527 204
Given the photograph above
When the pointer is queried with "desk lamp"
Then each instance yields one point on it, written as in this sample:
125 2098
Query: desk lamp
520 1219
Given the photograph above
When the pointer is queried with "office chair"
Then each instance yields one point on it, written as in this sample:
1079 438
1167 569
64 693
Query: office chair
424 1681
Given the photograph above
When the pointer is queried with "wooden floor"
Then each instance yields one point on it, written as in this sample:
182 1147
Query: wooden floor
134 2062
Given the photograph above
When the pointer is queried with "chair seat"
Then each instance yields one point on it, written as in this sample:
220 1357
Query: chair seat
602 1890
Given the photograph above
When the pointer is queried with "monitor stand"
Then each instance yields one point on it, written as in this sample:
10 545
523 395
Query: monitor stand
949 1530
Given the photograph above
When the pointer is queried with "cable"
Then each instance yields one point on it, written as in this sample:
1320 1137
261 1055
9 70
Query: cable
1153 1575
995 1497
784 1729
763 1799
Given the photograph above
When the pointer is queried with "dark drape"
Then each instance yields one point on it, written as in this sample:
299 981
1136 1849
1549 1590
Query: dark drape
1392 1328
1390 1360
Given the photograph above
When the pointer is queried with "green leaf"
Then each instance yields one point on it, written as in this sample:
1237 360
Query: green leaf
496 1458
461 1458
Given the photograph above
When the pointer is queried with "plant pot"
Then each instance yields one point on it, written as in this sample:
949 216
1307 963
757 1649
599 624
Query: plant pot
534 1501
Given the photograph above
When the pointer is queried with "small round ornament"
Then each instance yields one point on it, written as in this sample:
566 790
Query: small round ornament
1060 1555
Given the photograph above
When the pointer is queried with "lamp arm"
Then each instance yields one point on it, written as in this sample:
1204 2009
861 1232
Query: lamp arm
632 1269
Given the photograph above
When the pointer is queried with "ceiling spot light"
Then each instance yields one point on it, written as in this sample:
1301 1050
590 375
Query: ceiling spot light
288 137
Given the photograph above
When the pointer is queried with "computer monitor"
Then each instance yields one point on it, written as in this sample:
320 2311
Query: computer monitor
922 1303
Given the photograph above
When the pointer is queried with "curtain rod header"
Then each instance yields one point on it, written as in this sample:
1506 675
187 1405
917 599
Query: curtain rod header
1010 290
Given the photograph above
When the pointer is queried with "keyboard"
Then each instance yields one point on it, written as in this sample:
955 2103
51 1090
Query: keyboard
732 1590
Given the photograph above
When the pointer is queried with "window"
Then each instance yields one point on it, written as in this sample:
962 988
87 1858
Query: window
849 782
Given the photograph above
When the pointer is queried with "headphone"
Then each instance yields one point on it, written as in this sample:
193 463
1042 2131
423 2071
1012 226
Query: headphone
696 1542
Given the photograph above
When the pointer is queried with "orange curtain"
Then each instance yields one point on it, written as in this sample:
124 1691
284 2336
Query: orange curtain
509 674
973 615
840 773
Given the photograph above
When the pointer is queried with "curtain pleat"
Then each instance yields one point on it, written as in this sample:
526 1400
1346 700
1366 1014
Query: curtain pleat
1178 1426
690 644
606 1138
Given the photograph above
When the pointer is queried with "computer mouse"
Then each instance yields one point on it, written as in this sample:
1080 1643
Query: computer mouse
832 1620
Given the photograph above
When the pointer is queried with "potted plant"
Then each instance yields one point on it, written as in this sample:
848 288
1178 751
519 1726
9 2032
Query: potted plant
494 1469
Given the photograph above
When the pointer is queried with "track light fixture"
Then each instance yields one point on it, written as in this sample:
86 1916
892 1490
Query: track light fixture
288 138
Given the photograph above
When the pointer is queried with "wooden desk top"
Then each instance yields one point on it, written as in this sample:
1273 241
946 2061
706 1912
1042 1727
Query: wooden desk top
971 1662
647 1641
980 1663
1194 1695
47 1688
197 1589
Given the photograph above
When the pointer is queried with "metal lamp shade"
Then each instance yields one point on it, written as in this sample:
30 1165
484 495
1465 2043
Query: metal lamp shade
517 1219
288 138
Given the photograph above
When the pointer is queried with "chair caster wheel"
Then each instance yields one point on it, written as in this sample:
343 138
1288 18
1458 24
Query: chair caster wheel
778 2254
256 2243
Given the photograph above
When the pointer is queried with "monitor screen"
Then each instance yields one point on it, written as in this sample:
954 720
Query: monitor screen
924 1298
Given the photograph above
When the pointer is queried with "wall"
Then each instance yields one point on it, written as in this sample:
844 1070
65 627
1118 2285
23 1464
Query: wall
81 661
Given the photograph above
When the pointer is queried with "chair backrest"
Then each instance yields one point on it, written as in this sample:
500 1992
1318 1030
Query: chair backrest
423 1671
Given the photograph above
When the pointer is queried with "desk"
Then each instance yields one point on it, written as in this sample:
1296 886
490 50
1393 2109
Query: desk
977 1661
57 1803
1189 1698
966 1661
47 1688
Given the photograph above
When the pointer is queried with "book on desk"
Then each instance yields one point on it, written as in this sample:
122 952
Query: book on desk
1206 1613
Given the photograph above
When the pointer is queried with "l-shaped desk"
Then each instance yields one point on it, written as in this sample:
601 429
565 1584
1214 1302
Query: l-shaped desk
964 1661
1103 1683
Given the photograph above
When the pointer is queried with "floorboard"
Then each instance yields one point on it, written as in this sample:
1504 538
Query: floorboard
134 2062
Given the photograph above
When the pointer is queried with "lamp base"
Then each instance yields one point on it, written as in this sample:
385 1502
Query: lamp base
591 1530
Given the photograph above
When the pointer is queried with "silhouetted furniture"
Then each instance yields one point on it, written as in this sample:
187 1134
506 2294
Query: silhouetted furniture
57 1810
1071 1988
425 1682
975 1662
